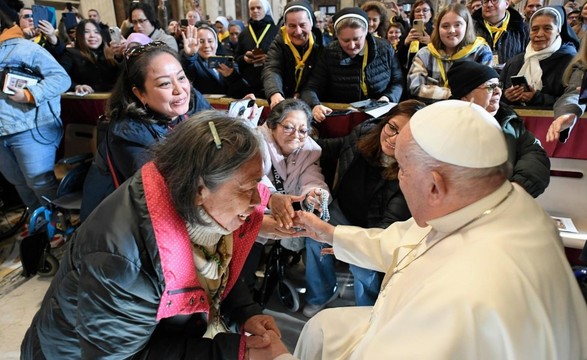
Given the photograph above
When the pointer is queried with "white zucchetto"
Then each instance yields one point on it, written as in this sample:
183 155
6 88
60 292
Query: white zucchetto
459 133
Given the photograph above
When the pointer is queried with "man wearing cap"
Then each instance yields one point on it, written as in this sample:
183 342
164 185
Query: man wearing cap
293 53
503 28
478 272
478 83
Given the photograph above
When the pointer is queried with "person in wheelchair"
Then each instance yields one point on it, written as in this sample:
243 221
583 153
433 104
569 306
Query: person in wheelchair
291 167
153 272
151 97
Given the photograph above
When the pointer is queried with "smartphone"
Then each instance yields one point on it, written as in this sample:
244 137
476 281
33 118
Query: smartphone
41 12
257 51
520 80
183 22
115 34
339 113
419 26
70 20
215 61
583 91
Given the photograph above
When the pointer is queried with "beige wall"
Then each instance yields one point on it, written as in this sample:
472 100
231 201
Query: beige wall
105 8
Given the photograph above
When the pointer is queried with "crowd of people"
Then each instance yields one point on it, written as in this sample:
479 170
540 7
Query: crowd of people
431 205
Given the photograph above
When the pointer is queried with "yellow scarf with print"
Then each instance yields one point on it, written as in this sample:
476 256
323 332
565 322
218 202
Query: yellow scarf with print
300 60
465 51
497 31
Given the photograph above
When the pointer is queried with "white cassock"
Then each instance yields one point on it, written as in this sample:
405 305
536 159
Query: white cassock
499 288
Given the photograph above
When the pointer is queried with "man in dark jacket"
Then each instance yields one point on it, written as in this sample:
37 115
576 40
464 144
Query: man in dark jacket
503 28
292 54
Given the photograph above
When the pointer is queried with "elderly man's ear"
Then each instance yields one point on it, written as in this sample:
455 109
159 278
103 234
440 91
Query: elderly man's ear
437 189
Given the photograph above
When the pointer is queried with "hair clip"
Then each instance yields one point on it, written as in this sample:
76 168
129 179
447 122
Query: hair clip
217 140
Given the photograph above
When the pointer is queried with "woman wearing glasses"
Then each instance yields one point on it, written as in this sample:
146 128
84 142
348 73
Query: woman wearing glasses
422 22
552 47
291 166
366 193
144 20
152 95
480 84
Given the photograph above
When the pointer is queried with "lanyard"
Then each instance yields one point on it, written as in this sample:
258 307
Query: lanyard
300 61
363 80
258 42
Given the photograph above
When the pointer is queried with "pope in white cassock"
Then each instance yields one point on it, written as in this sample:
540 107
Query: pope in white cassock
479 272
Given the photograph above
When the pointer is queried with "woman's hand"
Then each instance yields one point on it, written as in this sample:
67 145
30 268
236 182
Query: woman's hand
260 324
559 124
18 95
319 112
83 90
190 40
47 29
514 93
282 209
315 198
274 348
270 229
314 227
276 99
225 70
425 38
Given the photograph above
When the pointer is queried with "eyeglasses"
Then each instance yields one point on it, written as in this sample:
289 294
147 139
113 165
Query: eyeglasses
139 21
138 50
289 130
492 87
390 130
486 2
27 16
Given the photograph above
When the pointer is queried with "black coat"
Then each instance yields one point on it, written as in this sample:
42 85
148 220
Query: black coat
384 202
251 73
206 82
337 77
512 42
531 166
553 69
101 75
279 69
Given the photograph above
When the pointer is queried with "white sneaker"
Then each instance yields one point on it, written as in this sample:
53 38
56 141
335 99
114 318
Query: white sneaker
312 309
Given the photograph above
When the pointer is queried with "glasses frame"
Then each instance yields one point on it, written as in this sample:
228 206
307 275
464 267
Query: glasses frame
491 87
390 129
27 16
486 2
290 130
139 21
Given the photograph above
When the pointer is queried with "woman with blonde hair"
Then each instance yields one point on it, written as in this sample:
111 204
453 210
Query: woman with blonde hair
453 39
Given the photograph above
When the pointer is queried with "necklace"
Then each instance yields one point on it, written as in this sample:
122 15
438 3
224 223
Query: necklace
486 212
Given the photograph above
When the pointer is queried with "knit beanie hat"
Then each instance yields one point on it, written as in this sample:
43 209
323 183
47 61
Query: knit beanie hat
351 12
464 76
299 5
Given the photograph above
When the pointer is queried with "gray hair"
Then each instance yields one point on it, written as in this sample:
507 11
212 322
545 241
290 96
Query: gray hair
190 155
550 12
281 110
466 178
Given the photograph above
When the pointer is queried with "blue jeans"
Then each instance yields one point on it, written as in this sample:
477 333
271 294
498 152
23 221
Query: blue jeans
27 160
367 284
320 273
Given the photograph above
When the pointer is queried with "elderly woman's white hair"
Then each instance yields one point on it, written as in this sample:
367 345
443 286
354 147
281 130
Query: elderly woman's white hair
266 7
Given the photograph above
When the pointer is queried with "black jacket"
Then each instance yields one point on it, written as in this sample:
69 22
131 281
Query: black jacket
385 203
206 82
279 69
251 73
337 77
553 69
531 166
101 76
116 271
512 42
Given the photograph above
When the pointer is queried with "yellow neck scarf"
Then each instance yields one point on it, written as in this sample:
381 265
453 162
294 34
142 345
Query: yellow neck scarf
254 36
300 61
441 59
497 31
363 80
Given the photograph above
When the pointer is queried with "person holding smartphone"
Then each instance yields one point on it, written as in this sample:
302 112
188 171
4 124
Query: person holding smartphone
535 77
219 77
422 21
